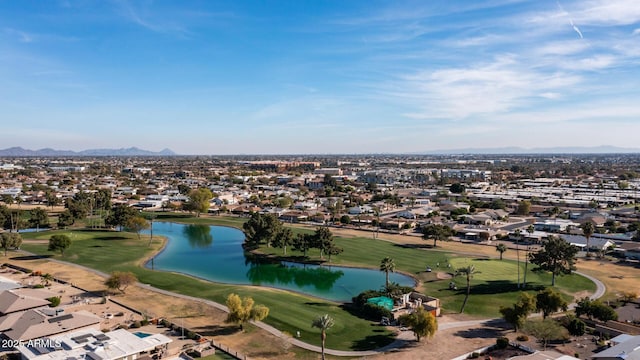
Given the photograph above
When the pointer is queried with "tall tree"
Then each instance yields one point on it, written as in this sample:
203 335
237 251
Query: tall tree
421 322
501 248
38 218
79 205
261 229
387 265
595 309
199 200
518 233
545 330
518 312
51 198
120 215
549 301
65 219
137 224
302 242
59 243
467 272
323 240
334 250
283 239
243 310
587 230
524 207
436 232
324 323
9 240
530 231
557 256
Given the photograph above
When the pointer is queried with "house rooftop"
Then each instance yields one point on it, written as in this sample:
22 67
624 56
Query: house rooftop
92 344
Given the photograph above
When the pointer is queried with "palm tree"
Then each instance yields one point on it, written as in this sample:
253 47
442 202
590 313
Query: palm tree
588 230
468 272
518 232
501 248
387 265
530 230
324 323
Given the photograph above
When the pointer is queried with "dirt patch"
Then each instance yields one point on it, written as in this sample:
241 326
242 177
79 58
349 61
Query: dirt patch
196 315
617 276
443 275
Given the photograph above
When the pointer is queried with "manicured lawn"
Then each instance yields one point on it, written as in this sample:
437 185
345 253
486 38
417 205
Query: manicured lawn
109 251
495 285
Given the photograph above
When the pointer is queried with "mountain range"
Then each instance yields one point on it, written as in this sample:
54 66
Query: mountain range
132 151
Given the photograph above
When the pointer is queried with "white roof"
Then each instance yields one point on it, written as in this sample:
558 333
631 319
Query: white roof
92 344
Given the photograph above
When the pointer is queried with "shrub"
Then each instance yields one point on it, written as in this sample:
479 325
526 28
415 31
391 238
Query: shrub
502 342
375 312
38 286
576 327
474 355
135 325
522 338
362 298
144 322
54 301
165 323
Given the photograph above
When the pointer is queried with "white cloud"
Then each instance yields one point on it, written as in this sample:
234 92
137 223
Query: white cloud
607 12
498 87
561 48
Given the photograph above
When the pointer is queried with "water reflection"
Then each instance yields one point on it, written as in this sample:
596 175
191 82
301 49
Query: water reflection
191 250
198 236
320 278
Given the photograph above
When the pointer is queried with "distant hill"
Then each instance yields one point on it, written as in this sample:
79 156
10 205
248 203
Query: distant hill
132 151
604 149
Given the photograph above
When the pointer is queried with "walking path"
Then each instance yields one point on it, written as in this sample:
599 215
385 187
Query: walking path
401 340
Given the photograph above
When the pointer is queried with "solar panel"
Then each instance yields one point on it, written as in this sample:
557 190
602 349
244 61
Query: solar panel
42 350
94 356
61 318
102 337
81 338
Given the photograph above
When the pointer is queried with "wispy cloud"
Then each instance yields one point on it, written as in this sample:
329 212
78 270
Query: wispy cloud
497 87
144 18
576 29
21 35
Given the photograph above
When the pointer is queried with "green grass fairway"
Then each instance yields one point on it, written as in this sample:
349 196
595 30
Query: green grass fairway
495 285
289 312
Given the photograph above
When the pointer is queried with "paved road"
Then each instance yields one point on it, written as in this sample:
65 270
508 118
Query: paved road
600 288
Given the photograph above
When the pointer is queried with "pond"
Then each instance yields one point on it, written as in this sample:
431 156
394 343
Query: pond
215 253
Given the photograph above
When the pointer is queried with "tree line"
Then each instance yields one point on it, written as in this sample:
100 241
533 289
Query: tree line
267 229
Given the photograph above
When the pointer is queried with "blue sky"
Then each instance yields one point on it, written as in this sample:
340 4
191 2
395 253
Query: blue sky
310 76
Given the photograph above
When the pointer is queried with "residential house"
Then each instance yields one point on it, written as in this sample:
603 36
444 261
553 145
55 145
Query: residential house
35 324
595 243
92 344
624 347
544 355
